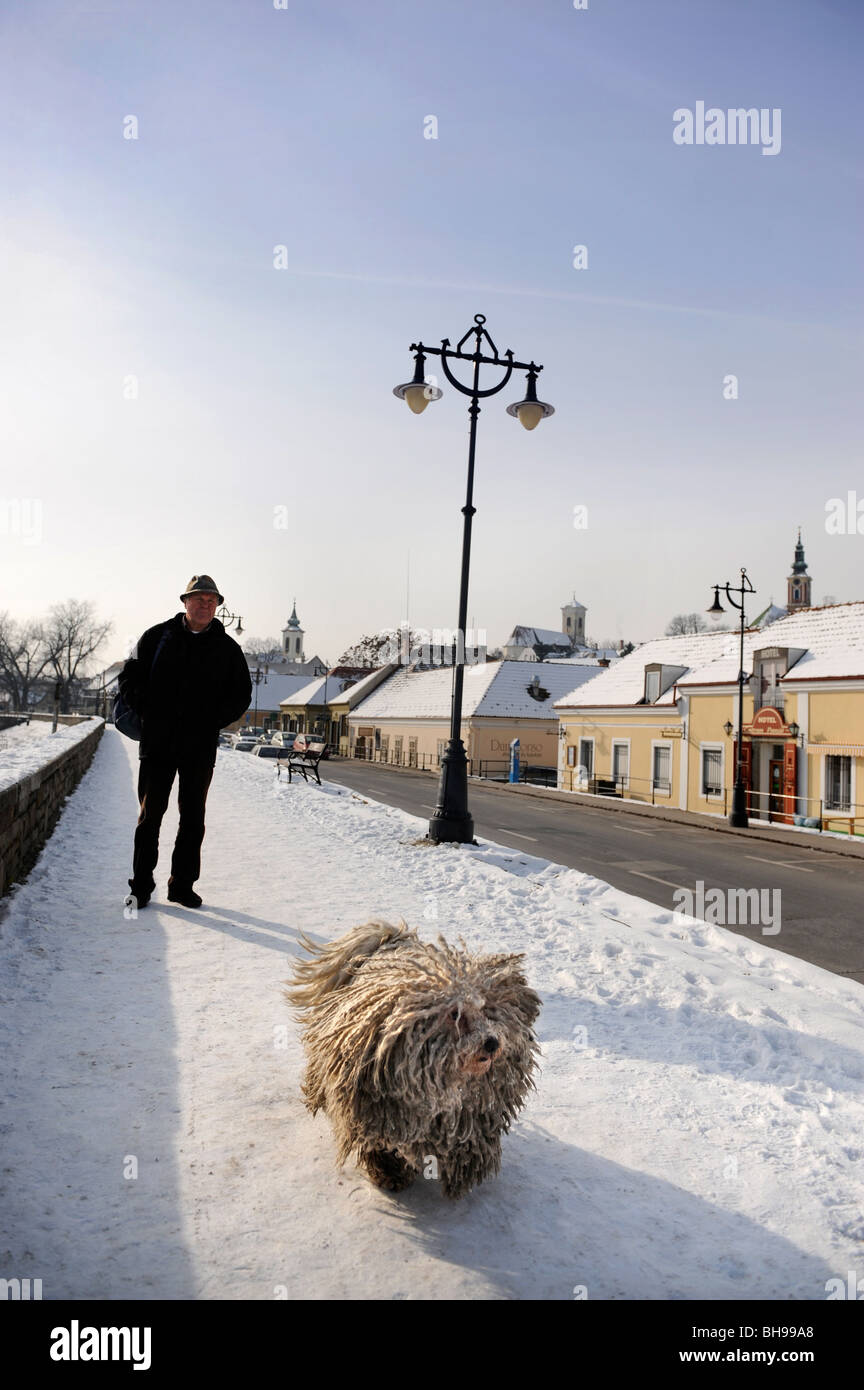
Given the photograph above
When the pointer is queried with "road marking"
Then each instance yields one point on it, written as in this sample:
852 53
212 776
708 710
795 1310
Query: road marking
427 807
506 831
783 863
654 878
633 831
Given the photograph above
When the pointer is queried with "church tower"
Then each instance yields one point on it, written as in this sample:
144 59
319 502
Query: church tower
799 581
292 638
573 622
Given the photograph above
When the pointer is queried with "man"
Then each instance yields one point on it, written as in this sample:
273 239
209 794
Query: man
186 680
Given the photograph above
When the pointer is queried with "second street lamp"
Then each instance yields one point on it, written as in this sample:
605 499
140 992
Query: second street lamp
738 814
452 820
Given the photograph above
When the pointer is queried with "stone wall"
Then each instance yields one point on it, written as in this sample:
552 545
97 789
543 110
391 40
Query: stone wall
31 806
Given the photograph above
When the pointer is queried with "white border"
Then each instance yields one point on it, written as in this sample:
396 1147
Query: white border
662 743
712 748
626 743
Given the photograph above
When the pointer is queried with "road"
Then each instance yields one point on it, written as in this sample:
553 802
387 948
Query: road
821 895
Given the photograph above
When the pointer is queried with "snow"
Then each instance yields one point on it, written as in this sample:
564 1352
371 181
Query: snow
319 691
696 1132
623 683
830 639
490 688
26 748
276 687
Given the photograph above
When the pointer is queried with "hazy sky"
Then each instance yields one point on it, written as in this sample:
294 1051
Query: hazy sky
148 264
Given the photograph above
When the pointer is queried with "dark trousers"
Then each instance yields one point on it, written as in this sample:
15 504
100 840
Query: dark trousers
155 780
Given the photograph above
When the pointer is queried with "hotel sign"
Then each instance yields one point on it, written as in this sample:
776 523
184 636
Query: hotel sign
670 733
767 721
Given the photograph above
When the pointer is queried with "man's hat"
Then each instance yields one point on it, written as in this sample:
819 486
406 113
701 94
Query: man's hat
201 584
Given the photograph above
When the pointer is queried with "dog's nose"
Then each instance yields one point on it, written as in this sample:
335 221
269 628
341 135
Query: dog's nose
490 1045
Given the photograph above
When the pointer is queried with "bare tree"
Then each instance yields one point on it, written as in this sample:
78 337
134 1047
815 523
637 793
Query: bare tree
367 652
265 650
23 658
72 635
375 650
686 622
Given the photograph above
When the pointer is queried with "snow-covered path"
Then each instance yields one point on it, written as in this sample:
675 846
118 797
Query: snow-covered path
698 1131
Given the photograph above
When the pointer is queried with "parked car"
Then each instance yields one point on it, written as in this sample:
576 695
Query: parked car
269 750
305 740
244 744
284 738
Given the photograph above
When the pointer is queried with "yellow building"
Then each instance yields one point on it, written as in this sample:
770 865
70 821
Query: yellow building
661 724
406 721
309 709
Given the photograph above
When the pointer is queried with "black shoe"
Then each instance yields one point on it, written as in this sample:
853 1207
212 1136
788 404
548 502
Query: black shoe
185 895
137 901
138 897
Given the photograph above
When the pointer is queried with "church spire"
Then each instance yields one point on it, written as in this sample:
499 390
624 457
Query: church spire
799 582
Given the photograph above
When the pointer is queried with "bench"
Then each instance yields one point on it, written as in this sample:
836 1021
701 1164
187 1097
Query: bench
303 757
604 786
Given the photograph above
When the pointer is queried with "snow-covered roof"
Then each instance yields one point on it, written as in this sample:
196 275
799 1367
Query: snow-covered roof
528 636
319 691
572 660
364 686
832 639
276 687
106 679
623 683
490 688
770 615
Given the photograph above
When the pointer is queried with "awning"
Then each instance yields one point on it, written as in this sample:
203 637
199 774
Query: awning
851 750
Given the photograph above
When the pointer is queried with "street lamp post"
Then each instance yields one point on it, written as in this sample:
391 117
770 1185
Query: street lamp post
452 820
258 676
738 814
229 619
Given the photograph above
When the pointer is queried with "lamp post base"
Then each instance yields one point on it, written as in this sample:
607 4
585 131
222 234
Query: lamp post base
452 822
738 814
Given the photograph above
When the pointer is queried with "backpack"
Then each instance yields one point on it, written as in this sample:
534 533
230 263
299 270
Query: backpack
126 719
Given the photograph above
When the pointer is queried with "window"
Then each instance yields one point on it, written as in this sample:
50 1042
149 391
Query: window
586 755
652 686
385 748
397 749
712 772
621 762
412 752
571 755
662 764
838 783
442 744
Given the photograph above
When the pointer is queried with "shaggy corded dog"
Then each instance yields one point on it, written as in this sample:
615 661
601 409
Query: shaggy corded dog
415 1052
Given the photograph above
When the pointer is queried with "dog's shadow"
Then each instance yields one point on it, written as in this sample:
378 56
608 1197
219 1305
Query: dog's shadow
561 1223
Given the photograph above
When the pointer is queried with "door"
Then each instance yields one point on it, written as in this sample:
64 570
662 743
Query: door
775 789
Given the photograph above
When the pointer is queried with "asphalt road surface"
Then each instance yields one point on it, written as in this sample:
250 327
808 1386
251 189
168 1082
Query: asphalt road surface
821 895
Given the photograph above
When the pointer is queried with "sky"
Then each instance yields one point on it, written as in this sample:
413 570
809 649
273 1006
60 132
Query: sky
178 396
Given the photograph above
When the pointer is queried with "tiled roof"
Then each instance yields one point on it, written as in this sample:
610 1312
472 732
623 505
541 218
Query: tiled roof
623 683
490 688
527 636
363 687
276 687
315 692
832 639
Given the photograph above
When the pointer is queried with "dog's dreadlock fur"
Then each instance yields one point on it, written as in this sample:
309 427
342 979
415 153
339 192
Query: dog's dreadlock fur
415 1051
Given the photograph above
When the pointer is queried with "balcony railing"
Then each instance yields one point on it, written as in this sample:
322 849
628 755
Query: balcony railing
772 695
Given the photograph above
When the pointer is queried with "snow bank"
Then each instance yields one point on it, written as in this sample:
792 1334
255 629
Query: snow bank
26 748
696 1132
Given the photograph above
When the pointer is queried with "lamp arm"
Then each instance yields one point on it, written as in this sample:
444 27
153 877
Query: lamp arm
468 390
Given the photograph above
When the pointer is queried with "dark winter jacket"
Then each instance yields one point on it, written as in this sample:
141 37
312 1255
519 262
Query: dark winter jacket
199 683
